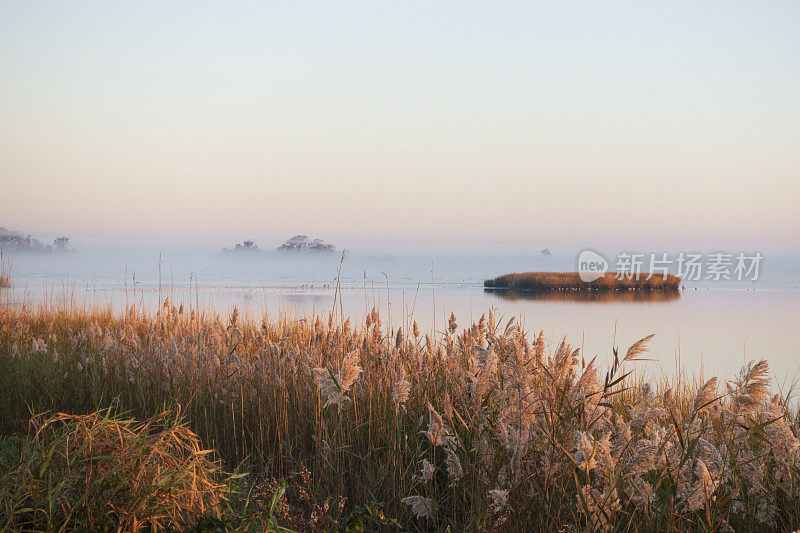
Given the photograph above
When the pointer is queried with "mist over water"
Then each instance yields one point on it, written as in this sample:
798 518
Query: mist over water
709 326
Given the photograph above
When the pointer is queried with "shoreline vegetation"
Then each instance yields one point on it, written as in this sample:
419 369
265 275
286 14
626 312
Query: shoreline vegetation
139 419
571 281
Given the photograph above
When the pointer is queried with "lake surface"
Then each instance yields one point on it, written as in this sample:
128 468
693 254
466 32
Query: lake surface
710 327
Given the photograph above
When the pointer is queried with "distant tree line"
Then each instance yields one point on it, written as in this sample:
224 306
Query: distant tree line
298 243
14 241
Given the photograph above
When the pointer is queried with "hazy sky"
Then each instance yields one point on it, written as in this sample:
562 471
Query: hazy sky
632 123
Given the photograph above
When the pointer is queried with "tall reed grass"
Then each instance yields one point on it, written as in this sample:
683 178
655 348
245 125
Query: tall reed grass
483 427
5 273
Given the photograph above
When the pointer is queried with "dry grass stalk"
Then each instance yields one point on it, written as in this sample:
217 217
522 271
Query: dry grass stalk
97 469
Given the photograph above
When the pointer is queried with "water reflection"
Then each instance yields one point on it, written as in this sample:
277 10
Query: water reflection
588 296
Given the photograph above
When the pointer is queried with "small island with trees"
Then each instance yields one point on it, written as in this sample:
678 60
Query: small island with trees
571 281
248 246
16 242
301 243
296 244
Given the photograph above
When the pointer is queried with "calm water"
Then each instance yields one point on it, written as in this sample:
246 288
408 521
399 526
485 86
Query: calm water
709 327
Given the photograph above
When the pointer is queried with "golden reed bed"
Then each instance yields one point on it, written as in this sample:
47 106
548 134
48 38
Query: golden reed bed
571 281
481 427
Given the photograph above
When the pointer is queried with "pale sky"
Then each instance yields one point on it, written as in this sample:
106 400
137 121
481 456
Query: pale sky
623 122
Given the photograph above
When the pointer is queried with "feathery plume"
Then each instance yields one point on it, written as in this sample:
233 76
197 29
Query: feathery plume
455 472
335 385
498 499
436 428
401 391
427 471
637 348
421 507
751 389
705 395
